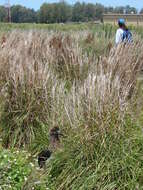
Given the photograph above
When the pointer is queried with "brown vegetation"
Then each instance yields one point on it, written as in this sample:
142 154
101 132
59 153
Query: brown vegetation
47 78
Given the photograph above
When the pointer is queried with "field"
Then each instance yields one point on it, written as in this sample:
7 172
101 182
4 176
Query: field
73 77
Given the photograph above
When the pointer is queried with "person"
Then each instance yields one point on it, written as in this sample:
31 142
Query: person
123 34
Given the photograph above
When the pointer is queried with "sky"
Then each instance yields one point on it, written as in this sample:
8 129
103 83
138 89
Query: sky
36 3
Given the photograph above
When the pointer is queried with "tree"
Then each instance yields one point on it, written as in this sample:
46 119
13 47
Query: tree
78 12
108 10
44 13
20 14
64 12
3 14
130 10
119 9
141 12
55 12
90 12
99 8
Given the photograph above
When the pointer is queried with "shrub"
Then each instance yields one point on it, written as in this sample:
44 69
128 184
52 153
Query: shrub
14 168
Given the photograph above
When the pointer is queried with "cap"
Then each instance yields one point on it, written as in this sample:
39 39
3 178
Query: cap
121 21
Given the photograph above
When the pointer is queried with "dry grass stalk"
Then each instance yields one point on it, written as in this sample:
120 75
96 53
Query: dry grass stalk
31 92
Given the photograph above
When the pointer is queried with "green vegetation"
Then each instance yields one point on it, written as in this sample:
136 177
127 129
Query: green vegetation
108 162
62 12
14 168
70 76
5 27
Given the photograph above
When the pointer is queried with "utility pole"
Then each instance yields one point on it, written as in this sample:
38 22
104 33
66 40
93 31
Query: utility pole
7 7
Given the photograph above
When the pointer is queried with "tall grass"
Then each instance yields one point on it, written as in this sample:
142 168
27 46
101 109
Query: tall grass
58 79
46 72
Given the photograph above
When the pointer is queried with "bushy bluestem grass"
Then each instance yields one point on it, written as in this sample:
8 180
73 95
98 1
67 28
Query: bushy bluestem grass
32 92
89 161
48 79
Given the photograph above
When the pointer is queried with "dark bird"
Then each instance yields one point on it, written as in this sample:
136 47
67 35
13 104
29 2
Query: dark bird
44 155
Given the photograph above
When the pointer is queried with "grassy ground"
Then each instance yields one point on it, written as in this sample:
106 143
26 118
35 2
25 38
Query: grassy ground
70 76
11 26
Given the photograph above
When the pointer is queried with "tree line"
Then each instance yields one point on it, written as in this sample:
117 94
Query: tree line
62 12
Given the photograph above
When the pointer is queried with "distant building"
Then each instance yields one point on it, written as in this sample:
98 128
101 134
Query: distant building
135 19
